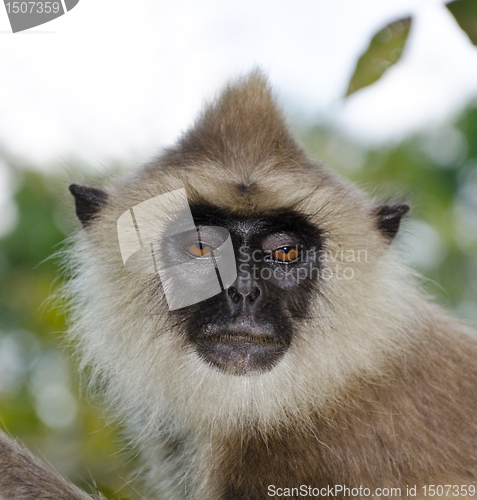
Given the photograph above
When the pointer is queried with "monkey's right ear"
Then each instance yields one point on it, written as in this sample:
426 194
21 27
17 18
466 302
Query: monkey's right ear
388 219
88 201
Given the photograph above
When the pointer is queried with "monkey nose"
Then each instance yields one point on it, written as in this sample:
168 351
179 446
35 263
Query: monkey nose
249 297
248 294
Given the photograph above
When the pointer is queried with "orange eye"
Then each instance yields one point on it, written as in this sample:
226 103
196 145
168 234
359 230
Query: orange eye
286 254
199 249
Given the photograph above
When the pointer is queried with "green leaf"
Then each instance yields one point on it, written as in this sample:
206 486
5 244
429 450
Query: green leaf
465 13
383 52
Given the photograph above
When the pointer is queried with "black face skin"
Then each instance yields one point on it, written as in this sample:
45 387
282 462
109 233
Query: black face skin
249 326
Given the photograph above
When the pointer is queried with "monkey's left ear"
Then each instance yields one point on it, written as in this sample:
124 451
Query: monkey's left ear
89 202
388 218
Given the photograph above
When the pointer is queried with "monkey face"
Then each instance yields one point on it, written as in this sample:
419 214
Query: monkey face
249 326
316 275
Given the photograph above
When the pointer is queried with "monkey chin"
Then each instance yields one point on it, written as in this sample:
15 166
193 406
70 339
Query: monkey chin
241 352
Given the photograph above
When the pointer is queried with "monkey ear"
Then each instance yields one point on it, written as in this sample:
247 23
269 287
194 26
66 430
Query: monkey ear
388 218
89 202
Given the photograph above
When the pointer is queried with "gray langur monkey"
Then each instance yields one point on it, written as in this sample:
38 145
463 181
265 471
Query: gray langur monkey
294 380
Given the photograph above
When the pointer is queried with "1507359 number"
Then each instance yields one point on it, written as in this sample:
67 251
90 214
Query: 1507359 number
449 490
30 7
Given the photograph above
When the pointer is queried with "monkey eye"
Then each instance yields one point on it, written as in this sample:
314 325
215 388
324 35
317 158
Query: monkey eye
199 249
286 254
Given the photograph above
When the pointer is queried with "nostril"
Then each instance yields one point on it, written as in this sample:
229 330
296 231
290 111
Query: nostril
253 296
234 295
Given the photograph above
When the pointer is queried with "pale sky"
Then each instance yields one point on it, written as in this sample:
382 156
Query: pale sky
115 79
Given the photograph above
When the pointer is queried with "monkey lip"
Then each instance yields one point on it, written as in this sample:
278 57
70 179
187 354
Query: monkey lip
242 338
241 351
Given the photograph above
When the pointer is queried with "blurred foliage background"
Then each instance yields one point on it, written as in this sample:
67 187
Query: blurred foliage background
41 399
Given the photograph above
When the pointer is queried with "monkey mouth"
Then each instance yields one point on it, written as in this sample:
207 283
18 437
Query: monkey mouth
244 339
241 353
